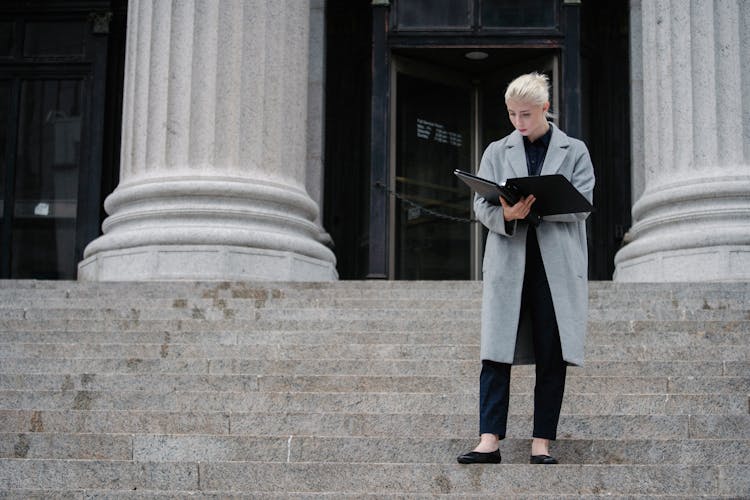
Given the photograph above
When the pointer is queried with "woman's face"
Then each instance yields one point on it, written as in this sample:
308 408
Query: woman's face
529 119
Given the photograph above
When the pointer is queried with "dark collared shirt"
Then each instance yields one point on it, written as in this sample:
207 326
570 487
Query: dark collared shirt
536 151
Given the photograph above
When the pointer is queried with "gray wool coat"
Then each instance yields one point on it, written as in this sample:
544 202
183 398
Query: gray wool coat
506 337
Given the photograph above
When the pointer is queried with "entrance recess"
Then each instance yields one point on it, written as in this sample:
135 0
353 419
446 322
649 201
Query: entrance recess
443 116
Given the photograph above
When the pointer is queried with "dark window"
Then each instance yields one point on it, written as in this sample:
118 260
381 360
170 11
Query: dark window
5 88
427 14
6 39
46 191
519 13
54 39
60 102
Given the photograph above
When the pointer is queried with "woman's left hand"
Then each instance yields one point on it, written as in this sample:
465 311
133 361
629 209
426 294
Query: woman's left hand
518 211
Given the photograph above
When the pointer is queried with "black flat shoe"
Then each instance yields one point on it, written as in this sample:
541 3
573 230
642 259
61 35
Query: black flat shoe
542 459
477 457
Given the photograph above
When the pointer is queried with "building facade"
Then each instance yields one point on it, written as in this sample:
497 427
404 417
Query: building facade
316 140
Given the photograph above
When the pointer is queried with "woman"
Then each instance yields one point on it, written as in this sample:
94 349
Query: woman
535 287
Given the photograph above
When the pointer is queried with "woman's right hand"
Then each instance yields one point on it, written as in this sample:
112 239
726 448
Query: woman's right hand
518 211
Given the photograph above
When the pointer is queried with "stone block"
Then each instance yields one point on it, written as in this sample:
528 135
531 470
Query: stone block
114 422
209 449
96 474
88 365
720 427
65 446
445 479
734 480
41 495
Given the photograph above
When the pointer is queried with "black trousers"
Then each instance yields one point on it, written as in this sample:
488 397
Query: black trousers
494 381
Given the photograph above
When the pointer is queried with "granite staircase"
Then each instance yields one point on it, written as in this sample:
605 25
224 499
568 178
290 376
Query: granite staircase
357 389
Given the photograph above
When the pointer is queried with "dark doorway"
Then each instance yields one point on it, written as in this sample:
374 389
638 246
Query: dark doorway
605 86
590 40
60 97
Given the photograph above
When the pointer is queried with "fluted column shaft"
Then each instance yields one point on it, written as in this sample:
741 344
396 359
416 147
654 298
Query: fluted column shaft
214 147
691 152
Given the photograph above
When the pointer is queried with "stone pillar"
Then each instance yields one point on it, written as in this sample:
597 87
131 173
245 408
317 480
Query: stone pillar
214 155
691 142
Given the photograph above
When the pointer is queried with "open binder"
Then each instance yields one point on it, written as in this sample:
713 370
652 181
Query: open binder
554 193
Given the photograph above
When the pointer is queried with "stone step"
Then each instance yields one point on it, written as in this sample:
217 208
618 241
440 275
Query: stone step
589 404
321 424
401 367
345 300
264 294
413 450
402 449
360 325
354 478
92 494
647 302
695 338
252 390
346 383
252 314
571 426
574 384
344 351
458 368
248 289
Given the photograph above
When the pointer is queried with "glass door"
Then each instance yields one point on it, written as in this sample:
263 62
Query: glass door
433 137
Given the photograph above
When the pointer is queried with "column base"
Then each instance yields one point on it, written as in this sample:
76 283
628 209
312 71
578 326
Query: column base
693 230
698 264
203 263
208 228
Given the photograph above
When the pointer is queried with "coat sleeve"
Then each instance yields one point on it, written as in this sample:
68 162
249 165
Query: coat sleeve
582 179
491 215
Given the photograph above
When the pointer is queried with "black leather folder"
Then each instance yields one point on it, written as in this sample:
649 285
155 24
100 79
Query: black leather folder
554 193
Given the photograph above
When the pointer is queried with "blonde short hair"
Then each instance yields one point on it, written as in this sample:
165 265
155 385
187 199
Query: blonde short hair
531 88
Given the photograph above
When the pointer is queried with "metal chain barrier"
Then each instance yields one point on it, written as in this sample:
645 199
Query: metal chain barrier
423 208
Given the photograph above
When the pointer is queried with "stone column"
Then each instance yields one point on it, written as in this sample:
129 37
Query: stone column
213 164
691 142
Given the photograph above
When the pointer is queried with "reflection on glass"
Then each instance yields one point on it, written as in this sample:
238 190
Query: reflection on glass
46 187
519 13
54 38
433 139
426 14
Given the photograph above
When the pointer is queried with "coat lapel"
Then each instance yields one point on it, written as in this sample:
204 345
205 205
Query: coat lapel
556 152
517 154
